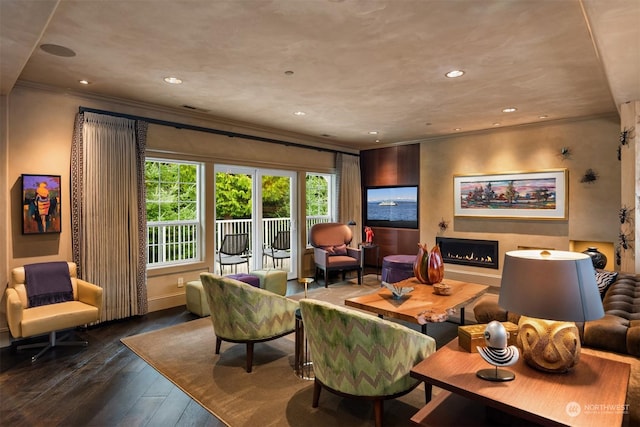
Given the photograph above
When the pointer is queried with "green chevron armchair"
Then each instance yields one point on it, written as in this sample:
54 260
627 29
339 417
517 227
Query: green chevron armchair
359 355
242 313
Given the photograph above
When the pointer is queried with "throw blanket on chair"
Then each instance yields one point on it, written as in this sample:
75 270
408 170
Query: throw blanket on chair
48 283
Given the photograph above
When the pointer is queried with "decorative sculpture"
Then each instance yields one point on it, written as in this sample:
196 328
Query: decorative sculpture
429 265
368 232
549 346
497 353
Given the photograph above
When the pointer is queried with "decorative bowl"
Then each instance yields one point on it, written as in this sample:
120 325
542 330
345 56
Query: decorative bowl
442 289
397 291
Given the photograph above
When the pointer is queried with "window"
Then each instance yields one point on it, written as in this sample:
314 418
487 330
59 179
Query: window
320 190
173 212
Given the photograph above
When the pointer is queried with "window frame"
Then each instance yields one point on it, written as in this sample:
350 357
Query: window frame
331 201
193 226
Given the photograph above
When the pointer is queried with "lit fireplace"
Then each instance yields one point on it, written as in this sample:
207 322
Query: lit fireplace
477 253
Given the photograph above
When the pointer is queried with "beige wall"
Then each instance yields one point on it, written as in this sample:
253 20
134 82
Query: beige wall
593 208
38 130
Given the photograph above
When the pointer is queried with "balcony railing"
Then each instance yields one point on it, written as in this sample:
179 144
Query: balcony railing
172 243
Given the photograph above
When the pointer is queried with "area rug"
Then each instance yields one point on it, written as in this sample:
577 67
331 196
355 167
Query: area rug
271 395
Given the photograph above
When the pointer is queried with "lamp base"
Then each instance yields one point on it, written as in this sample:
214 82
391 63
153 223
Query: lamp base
549 346
496 374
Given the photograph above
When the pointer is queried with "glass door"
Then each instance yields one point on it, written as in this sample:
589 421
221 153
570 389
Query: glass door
261 203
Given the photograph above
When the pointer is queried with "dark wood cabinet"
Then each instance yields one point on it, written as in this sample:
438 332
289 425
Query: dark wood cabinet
399 165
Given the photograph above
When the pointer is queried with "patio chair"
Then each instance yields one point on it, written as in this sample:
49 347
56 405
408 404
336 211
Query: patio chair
233 251
280 248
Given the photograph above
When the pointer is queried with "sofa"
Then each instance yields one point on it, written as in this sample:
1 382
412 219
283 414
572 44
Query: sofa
618 331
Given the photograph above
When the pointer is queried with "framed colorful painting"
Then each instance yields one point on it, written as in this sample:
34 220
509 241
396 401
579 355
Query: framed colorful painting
41 206
519 195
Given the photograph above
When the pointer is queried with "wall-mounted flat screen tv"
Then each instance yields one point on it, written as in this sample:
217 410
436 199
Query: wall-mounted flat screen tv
395 206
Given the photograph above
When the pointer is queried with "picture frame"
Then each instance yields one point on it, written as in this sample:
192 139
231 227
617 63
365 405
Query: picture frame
540 195
41 204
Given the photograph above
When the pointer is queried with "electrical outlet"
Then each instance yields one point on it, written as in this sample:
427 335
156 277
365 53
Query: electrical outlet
180 282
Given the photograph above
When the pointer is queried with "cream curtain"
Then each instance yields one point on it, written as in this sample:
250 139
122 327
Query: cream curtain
108 210
350 193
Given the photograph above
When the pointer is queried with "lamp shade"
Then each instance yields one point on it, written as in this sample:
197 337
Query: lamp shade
554 285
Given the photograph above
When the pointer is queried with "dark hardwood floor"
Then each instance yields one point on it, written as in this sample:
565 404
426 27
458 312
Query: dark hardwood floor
104 384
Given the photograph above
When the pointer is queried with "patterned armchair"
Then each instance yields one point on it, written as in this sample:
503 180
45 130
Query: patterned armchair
359 355
242 313
331 251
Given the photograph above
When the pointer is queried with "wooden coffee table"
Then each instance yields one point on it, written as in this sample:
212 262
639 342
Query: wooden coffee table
592 394
422 305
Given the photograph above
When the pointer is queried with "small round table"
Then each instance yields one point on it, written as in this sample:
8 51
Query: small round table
305 281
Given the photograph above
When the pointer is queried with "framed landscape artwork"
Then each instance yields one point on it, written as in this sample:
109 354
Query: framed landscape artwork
519 195
41 204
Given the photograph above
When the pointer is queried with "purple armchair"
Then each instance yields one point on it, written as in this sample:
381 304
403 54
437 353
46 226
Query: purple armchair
331 251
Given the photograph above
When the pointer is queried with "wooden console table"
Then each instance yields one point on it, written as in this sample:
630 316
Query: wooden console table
592 394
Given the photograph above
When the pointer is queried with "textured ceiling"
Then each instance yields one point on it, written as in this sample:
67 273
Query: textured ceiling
358 66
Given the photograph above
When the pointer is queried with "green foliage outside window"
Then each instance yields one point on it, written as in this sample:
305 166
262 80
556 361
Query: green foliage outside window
234 198
317 195
275 197
172 191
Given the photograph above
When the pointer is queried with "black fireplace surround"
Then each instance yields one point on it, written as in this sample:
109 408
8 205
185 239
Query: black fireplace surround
473 252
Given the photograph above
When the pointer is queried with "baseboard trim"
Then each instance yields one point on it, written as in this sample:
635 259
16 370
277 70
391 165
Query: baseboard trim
166 301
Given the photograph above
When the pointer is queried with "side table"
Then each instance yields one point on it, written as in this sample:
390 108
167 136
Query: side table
576 398
302 363
370 247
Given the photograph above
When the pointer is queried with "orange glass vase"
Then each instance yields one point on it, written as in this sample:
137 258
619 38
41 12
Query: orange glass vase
435 266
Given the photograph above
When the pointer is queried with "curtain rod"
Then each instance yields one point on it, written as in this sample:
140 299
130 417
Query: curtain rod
211 130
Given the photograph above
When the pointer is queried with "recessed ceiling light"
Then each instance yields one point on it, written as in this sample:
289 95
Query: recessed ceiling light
458 129
373 132
509 110
496 124
544 116
84 82
377 140
454 73
299 113
173 80
57 50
